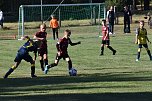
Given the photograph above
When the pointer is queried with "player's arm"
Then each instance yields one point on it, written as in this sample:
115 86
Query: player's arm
38 38
58 47
73 44
136 39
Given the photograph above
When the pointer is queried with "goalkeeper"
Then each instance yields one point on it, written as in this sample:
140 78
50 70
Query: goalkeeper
62 46
23 53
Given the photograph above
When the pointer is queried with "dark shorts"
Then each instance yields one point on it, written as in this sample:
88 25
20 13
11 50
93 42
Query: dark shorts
64 56
106 42
42 51
25 57
140 45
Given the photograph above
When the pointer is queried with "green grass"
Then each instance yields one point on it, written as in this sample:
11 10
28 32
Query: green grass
100 78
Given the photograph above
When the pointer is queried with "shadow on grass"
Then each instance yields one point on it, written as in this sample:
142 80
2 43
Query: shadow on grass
21 85
142 96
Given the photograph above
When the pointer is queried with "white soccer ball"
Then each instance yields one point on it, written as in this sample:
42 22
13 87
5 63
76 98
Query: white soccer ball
73 72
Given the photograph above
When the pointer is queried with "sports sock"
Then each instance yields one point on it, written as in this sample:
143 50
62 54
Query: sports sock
138 55
52 65
148 51
42 65
69 64
111 48
9 72
32 70
102 50
46 61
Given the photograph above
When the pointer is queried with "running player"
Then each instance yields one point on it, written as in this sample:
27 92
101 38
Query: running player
62 47
23 53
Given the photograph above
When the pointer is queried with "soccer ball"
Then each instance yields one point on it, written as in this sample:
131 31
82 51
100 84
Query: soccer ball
72 72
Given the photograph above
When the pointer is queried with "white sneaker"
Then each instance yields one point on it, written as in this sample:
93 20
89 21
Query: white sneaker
137 59
110 33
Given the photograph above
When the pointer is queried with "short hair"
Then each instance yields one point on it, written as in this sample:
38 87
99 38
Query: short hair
43 24
104 20
68 31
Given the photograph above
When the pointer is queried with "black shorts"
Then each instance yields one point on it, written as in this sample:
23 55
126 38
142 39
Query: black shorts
64 56
106 42
140 45
20 56
42 51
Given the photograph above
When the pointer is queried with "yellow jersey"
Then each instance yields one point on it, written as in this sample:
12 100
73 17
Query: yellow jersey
142 36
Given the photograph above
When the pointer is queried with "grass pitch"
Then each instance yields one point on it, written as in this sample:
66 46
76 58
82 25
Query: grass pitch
100 78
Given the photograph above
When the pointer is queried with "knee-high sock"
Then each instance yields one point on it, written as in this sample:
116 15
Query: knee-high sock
69 64
9 72
138 55
32 70
102 49
110 48
46 61
148 51
42 65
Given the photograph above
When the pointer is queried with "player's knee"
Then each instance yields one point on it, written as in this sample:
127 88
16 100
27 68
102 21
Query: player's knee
14 67
68 59
139 49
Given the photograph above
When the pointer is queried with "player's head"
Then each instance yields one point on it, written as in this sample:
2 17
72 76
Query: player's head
43 27
141 24
67 33
103 22
52 16
25 37
111 7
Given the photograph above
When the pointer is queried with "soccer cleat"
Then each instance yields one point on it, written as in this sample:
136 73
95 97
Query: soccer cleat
137 59
46 69
33 76
114 52
5 77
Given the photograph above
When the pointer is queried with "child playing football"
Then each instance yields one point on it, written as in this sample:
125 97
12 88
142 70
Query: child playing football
23 53
105 38
62 47
54 25
141 40
42 48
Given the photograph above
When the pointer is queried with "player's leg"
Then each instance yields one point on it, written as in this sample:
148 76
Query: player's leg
33 68
102 47
45 57
57 36
109 47
53 29
124 26
148 51
47 67
40 53
12 69
68 59
139 51
17 61
128 26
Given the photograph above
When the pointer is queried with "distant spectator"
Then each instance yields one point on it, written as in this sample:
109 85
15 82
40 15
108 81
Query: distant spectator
127 19
54 25
1 18
111 18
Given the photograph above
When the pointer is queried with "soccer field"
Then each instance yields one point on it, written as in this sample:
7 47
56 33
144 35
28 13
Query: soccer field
100 78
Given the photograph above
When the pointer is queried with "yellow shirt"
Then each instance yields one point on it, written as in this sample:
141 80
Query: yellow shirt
142 36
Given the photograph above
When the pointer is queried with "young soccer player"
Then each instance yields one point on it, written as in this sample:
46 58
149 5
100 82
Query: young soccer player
42 49
23 53
141 40
54 25
105 38
62 47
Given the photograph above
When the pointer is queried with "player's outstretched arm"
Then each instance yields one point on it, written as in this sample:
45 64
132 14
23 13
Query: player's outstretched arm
73 44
